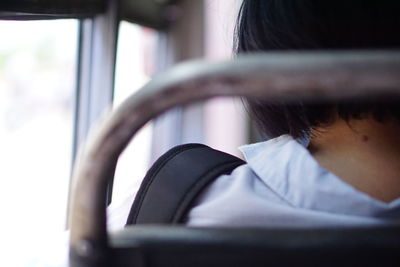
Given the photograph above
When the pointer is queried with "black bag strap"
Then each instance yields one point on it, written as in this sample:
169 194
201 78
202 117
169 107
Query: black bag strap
175 180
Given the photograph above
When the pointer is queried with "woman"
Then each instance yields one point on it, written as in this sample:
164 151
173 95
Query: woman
327 164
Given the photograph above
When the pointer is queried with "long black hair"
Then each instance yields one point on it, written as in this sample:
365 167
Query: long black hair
270 25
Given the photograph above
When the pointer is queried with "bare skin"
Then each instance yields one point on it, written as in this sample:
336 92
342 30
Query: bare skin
364 153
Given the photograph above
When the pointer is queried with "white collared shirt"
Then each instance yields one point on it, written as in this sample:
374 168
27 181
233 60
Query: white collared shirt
283 185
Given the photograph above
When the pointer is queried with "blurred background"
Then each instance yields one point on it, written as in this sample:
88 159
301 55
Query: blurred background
57 78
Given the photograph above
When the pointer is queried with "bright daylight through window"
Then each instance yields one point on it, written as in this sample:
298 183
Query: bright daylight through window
37 83
135 65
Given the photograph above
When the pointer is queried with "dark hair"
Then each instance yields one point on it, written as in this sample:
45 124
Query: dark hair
266 25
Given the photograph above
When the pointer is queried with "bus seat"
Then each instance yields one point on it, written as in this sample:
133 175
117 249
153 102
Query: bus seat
277 76
162 246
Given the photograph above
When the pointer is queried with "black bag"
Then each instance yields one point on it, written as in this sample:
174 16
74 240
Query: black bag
175 180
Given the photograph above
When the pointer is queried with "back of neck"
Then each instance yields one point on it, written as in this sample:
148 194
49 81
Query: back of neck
364 153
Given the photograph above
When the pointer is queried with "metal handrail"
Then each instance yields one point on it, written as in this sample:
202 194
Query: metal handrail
278 76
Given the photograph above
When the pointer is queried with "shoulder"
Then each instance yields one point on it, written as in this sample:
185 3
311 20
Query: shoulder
253 190
238 199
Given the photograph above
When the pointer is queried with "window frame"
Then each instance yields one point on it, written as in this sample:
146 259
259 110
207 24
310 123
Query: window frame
96 65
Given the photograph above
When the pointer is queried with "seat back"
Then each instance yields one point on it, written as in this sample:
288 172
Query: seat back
280 76
166 246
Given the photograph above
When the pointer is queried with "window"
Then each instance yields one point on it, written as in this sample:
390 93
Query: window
135 64
37 83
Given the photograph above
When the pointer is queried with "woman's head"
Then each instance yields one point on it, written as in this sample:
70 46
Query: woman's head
270 25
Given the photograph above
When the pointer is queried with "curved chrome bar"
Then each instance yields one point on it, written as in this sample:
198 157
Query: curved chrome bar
285 77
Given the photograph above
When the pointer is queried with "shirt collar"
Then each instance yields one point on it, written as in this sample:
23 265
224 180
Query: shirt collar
288 168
